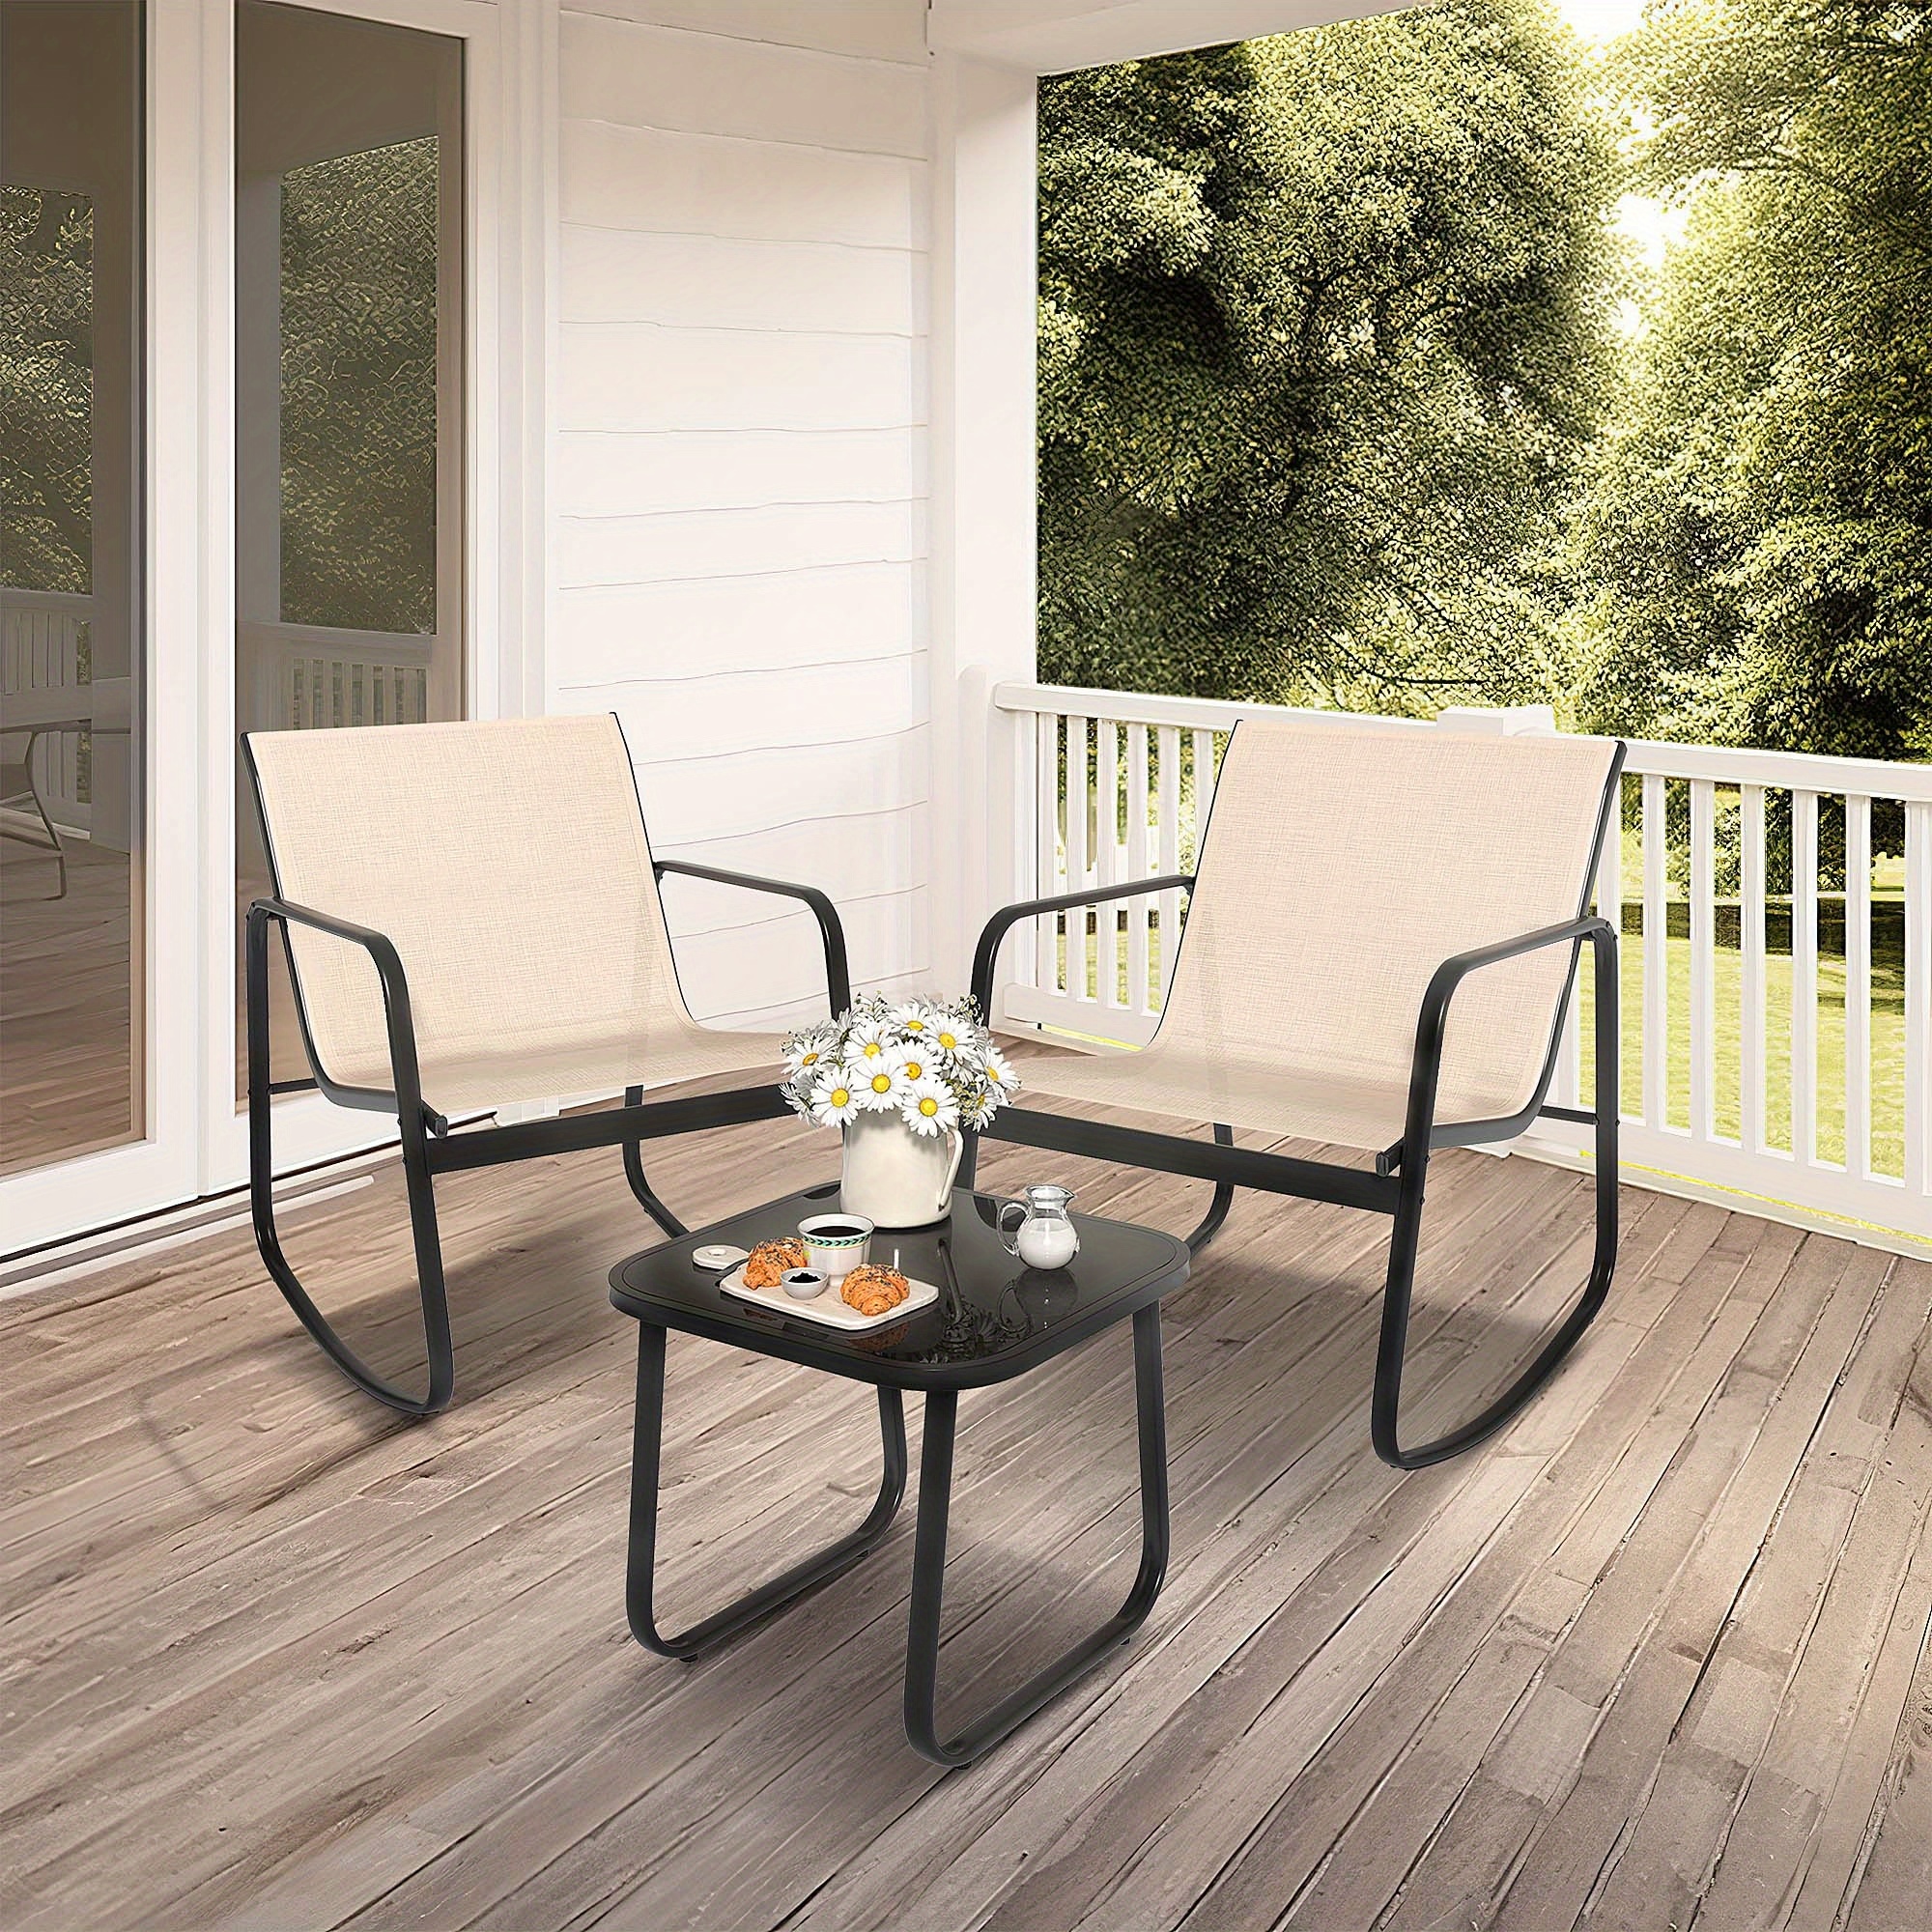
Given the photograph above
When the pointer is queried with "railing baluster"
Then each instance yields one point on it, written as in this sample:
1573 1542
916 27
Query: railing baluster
1858 987
1703 957
1046 938
1077 880
1107 859
1169 743
1805 976
1919 1010
1204 786
1751 977
1656 955
1139 994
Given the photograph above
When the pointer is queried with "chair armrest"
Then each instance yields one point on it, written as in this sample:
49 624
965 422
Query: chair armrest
400 1022
1433 1018
837 973
986 953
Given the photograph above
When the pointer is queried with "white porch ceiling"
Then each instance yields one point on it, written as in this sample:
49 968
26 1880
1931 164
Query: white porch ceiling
1057 36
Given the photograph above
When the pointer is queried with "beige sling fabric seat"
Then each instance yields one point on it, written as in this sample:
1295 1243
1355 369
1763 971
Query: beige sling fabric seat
1339 871
472 921
1382 935
508 863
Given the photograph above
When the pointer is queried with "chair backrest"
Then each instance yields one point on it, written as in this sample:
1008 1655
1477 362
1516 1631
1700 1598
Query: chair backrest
1341 867
506 860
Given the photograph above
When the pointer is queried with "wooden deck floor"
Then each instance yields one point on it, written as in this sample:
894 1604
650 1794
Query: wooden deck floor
1655 1659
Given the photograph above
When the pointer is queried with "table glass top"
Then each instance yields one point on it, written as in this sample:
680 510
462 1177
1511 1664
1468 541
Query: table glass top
995 1317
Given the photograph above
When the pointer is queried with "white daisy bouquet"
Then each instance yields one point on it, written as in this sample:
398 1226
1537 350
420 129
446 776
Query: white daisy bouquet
928 1060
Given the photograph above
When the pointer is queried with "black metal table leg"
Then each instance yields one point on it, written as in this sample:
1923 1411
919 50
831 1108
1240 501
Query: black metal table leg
642 1562
928 1567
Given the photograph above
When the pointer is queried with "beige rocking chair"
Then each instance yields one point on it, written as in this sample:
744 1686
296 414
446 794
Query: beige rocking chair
471 917
1350 882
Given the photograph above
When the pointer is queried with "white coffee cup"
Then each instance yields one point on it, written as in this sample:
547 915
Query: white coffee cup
835 1244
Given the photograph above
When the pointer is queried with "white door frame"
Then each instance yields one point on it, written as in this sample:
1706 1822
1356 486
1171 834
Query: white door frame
196 1143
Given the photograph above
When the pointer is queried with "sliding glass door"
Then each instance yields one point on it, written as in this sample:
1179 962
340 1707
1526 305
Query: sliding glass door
72 881
235 494
347 389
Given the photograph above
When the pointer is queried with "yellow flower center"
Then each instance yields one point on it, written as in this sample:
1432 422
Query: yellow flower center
929 1106
915 1026
809 1060
872 1049
949 1041
841 1096
914 1070
882 1083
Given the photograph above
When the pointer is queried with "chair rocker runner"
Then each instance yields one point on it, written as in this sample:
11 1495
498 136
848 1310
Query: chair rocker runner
470 918
1382 934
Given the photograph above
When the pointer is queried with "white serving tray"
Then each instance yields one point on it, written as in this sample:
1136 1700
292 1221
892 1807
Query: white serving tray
826 1308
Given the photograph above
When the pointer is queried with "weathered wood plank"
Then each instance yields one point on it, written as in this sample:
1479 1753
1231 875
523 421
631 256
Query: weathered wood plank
272 1660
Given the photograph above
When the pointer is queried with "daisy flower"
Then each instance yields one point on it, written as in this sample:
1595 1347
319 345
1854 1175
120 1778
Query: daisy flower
914 1061
880 1087
956 1038
1000 1069
806 1051
979 1105
929 1108
834 1100
867 1041
914 1016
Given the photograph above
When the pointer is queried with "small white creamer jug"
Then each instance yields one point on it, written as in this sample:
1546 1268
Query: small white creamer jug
1044 1236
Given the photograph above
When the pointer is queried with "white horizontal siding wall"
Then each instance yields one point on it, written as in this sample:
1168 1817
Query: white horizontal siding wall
739 483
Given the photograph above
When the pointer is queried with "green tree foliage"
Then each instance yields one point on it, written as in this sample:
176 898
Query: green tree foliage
358 391
1324 328
46 389
1756 552
359 270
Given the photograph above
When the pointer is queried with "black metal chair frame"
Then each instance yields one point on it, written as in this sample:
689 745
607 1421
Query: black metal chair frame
429 1146
1397 1184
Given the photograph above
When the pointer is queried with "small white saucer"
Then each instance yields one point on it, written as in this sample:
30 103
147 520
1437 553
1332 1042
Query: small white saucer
719 1255
829 1309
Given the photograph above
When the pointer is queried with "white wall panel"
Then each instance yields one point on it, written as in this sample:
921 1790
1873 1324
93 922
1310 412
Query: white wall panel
732 543
641 376
642 76
875 29
672 183
803 706
738 489
776 976
746 794
701 626
633 474
727 282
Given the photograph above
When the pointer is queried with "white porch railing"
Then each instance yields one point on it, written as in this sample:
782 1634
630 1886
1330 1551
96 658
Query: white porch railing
1777 914
305 677
42 645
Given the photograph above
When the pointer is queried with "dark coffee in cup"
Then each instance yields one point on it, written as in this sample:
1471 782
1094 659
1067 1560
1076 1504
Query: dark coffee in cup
836 1231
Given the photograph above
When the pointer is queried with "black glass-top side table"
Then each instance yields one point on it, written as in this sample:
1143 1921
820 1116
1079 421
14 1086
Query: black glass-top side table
995 1319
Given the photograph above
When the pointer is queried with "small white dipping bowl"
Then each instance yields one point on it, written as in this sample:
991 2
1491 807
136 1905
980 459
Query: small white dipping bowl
832 1255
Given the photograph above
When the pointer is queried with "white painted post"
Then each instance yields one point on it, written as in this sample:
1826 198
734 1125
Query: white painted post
984 299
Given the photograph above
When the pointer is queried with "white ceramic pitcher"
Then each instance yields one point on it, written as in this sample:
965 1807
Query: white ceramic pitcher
895 1178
